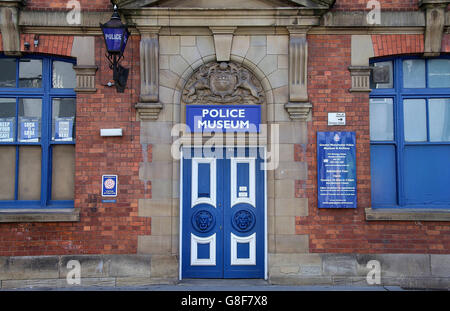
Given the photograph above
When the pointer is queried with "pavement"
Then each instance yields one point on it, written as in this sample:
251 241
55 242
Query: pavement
222 285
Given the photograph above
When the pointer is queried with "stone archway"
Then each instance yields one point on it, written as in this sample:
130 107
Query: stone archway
223 83
266 58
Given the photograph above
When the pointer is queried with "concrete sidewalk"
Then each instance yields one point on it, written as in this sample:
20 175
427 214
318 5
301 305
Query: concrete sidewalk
220 285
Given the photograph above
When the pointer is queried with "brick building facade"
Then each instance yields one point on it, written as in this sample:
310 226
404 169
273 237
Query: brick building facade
308 58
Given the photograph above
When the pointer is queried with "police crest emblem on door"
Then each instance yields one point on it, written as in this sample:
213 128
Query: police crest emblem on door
223 214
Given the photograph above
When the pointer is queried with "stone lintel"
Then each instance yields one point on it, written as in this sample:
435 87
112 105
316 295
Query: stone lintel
16 216
383 214
199 17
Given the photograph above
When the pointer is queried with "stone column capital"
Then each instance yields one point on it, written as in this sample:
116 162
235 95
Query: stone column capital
360 78
12 3
298 30
298 111
85 78
425 4
226 30
149 31
148 111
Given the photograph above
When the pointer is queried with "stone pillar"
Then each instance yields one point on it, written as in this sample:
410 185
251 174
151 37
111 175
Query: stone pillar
161 171
362 51
435 22
83 49
298 106
9 18
162 207
148 107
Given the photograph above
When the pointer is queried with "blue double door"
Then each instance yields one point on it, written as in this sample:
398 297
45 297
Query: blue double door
223 214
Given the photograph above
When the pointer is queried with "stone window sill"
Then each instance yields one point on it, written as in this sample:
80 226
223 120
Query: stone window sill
45 215
407 214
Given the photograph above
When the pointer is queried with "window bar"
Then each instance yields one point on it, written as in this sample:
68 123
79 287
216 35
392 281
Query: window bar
398 107
16 135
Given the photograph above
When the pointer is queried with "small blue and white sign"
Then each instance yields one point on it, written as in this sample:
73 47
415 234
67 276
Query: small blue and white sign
206 119
6 129
109 185
29 130
336 169
63 129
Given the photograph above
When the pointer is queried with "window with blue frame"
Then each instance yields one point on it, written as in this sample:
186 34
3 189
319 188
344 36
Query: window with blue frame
410 134
37 132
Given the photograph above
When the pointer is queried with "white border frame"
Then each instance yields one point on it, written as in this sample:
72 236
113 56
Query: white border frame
234 260
195 200
211 240
251 182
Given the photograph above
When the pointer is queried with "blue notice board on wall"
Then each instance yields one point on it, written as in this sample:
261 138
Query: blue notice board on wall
336 169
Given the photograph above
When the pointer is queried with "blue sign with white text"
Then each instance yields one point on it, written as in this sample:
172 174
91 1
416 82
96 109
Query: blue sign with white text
109 185
223 118
336 169
29 130
6 129
63 129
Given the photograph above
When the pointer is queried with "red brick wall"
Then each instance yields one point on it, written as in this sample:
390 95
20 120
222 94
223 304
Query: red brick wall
397 44
347 231
446 43
86 5
388 5
104 228
53 45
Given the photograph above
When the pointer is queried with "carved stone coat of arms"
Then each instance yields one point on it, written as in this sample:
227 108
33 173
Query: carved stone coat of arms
223 83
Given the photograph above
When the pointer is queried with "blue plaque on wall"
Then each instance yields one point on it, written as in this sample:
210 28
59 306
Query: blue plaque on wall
109 185
223 118
336 169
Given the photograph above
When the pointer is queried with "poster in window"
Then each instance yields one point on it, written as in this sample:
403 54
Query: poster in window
63 129
336 166
6 129
29 130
